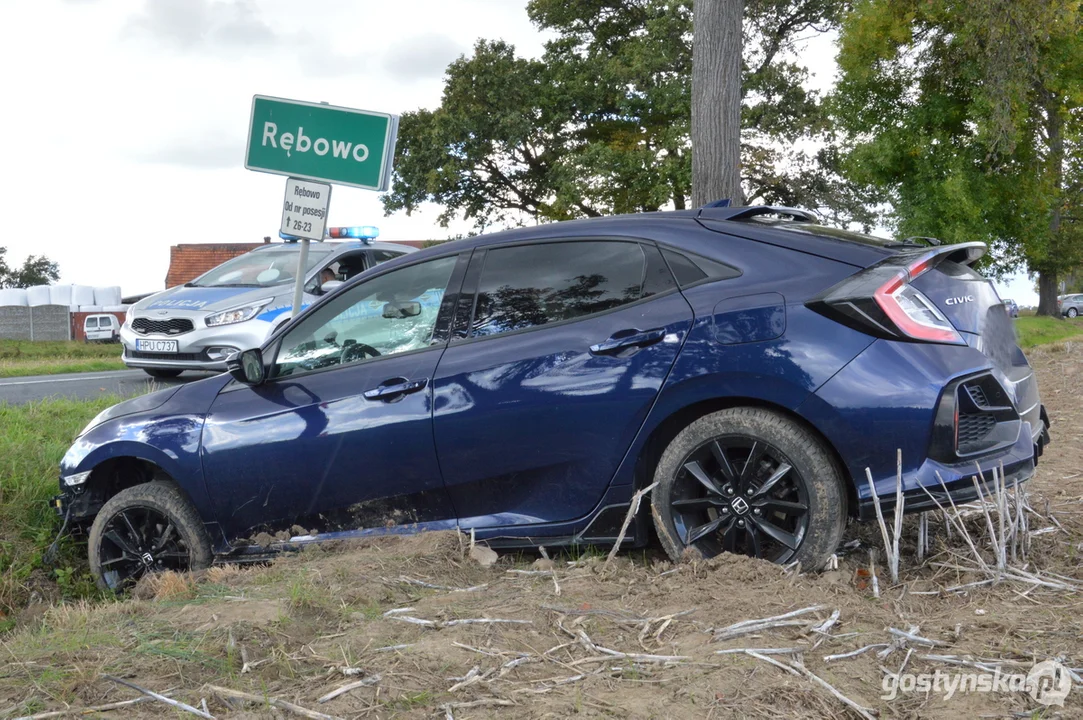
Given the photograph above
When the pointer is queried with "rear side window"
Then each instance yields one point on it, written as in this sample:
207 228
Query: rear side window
92 322
530 285
689 271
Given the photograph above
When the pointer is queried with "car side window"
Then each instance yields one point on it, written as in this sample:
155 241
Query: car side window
387 315
525 286
379 256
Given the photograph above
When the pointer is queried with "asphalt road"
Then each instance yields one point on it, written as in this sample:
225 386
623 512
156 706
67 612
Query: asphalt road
85 386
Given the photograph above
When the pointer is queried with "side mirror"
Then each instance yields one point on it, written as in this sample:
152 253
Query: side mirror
246 367
400 310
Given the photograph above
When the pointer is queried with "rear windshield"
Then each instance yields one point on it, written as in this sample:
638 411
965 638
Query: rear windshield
261 268
825 231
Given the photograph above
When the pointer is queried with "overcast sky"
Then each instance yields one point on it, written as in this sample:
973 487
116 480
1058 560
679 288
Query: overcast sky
124 121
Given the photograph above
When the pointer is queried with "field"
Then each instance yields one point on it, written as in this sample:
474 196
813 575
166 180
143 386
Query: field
424 626
33 440
1034 331
19 358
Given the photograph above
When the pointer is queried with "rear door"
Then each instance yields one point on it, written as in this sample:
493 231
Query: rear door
552 369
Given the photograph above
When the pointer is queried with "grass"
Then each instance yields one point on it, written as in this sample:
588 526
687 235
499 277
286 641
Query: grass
1041 330
33 439
19 358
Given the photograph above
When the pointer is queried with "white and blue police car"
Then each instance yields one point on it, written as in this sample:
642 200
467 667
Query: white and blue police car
242 302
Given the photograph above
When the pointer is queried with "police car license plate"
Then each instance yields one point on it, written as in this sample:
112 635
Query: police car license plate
161 346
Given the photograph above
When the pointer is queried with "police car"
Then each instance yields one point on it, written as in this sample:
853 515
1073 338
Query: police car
240 303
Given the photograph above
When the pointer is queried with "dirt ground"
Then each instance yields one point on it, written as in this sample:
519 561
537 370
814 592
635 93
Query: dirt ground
634 638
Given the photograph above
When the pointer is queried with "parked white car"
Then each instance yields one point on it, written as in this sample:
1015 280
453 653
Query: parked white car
239 304
101 328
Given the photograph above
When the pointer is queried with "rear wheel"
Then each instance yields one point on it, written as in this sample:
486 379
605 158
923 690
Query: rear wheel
1072 312
162 373
751 481
144 529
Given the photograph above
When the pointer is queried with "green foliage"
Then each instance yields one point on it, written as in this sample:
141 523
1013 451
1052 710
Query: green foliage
967 115
35 270
600 123
34 439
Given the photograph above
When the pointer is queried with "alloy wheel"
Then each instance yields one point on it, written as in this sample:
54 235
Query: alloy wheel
740 494
138 540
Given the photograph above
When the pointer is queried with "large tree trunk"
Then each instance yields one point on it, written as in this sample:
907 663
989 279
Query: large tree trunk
716 101
1047 292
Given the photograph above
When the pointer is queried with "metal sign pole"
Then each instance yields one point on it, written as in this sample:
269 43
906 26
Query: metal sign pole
299 283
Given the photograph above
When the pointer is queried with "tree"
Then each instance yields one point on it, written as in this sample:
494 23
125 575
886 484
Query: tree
601 123
967 115
35 270
716 101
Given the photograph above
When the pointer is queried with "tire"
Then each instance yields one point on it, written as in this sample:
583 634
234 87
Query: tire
146 512
797 516
1072 312
162 373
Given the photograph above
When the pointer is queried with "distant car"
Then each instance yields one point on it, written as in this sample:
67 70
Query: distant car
1070 305
101 328
1012 308
239 304
757 369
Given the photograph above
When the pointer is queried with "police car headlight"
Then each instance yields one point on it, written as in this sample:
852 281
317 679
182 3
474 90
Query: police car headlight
237 314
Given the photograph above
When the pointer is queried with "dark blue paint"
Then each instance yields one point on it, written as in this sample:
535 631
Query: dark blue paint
554 419
749 318
530 435
295 448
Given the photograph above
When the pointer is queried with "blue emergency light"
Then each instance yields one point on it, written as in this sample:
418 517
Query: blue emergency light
363 232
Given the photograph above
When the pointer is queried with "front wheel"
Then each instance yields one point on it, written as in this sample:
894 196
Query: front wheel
143 529
750 481
162 373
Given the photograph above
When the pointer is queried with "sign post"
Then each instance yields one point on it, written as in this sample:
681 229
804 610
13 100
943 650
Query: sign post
304 215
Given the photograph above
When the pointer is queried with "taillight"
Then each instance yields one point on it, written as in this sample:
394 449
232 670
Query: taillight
881 300
911 311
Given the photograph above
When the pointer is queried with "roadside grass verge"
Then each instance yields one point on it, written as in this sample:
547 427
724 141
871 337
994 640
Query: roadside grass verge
1042 330
33 439
19 358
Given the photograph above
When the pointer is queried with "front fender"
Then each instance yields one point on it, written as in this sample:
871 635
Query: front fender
170 442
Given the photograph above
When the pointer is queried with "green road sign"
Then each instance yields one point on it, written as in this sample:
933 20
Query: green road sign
321 142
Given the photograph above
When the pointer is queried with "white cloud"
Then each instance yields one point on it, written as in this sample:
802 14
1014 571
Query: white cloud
126 124
204 25
421 56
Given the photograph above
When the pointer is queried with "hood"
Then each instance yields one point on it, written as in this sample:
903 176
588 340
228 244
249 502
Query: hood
206 299
143 403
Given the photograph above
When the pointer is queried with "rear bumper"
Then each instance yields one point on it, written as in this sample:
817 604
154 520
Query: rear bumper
936 482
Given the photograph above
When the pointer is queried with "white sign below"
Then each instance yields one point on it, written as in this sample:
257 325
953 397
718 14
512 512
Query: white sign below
304 211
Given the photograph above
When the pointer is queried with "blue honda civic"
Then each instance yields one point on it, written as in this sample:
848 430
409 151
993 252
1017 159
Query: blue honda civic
748 363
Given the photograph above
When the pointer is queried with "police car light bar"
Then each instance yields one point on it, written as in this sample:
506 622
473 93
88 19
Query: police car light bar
363 232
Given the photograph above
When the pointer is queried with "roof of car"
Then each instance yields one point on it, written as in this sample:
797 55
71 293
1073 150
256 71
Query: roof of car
802 232
336 246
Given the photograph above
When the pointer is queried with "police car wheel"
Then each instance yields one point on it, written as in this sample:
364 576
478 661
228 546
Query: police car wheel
162 373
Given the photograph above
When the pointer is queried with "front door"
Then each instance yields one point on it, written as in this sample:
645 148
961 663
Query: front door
340 435
562 357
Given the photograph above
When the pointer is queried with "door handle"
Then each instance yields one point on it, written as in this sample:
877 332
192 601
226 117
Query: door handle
626 339
394 388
